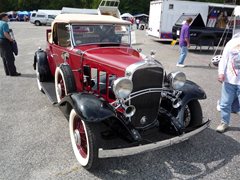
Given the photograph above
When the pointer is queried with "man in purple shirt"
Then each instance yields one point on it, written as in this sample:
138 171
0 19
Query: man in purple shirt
184 42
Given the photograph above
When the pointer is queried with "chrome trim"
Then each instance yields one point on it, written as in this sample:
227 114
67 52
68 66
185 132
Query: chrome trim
149 147
144 91
141 65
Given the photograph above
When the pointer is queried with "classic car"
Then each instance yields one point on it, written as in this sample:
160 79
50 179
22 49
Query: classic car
117 100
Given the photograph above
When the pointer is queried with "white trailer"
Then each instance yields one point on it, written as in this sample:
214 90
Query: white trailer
163 14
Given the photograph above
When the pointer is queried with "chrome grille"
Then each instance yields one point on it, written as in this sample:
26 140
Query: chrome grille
146 105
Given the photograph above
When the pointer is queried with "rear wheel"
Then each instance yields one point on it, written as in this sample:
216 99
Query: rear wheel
83 141
64 81
42 68
37 23
38 79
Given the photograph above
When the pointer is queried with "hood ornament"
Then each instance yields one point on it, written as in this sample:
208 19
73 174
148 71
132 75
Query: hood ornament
150 58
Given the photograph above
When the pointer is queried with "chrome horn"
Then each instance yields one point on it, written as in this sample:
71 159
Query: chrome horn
129 110
176 103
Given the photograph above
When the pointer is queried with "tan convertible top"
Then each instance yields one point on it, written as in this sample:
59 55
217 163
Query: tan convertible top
88 19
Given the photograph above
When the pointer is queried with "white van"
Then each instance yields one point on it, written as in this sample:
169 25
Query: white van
40 18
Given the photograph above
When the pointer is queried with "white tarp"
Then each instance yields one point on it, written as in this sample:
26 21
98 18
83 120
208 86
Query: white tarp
126 15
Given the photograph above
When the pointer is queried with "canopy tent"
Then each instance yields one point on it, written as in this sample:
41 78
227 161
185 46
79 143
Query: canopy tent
22 14
126 15
140 15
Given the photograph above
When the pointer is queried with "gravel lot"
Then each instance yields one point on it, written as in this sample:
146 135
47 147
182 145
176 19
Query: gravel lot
34 136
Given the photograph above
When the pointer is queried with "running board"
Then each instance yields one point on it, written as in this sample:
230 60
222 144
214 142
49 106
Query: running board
49 90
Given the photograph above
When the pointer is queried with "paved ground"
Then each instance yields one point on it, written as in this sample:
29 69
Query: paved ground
34 137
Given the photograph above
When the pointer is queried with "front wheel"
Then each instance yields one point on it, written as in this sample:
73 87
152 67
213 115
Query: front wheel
37 23
83 141
192 117
193 114
142 27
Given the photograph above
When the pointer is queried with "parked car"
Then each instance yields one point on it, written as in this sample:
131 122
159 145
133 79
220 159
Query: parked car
117 100
41 18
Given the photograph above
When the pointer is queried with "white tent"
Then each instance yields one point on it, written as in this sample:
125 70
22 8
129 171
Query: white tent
126 15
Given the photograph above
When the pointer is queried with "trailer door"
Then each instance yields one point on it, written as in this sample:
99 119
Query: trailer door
154 18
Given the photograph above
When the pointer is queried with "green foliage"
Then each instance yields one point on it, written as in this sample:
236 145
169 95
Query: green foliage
131 6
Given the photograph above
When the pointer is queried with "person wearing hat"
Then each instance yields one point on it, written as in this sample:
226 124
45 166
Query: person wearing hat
6 51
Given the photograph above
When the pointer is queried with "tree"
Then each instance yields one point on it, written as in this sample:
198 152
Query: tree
131 6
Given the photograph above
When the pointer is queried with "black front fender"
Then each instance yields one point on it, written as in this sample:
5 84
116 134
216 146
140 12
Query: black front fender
91 108
192 91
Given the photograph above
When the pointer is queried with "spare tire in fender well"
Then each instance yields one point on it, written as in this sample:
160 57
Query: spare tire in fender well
40 59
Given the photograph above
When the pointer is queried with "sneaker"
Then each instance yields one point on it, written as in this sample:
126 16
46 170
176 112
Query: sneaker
222 127
180 65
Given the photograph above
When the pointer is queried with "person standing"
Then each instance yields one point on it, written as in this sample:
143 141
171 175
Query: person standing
6 51
137 23
222 21
229 76
184 42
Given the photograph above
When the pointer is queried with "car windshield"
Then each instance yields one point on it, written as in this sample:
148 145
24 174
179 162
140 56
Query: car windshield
100 34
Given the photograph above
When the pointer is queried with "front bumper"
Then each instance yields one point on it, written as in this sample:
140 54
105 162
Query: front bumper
153 146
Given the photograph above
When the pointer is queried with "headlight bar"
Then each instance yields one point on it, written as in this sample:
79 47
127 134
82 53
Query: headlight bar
172 95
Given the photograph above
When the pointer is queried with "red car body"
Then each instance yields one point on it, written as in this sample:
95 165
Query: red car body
114 97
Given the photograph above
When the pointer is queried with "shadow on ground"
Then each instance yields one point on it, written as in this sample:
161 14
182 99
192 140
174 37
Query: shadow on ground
200 66
28 75
195 158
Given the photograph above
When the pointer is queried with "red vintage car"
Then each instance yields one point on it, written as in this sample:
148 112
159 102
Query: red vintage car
117 100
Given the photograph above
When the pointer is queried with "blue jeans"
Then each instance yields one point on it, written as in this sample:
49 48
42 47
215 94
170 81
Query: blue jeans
183 54
229 93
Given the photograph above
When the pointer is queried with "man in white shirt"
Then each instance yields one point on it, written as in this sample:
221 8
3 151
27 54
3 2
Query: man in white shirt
137 23
229 76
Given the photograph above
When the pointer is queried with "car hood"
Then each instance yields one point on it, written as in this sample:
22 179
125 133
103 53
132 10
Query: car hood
118 58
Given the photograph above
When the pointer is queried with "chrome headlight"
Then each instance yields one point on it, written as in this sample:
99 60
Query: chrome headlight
177 79
122 87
